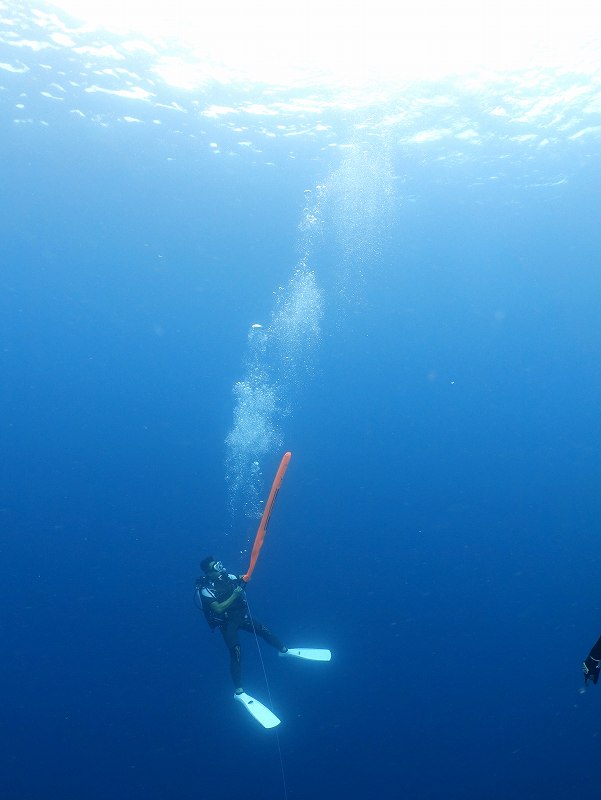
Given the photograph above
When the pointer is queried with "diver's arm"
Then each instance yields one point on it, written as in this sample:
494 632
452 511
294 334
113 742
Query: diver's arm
218 608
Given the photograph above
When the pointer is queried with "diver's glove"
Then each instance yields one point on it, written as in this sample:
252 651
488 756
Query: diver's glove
590 667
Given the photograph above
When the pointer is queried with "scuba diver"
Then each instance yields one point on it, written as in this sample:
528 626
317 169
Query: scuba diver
225 607
590 665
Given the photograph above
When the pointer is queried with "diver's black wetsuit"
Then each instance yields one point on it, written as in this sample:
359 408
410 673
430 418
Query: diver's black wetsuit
236 617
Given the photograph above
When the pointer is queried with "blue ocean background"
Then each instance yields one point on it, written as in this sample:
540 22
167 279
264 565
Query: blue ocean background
426 274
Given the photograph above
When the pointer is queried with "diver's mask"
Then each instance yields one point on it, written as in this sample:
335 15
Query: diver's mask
218 567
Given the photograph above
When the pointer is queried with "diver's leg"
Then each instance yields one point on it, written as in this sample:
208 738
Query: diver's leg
596 650
252 624
229 632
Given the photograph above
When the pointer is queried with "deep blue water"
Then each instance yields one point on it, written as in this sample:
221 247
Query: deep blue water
438 525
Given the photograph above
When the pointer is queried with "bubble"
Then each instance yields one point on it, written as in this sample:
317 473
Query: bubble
255 432
361 206
278 358
359 199
296 323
